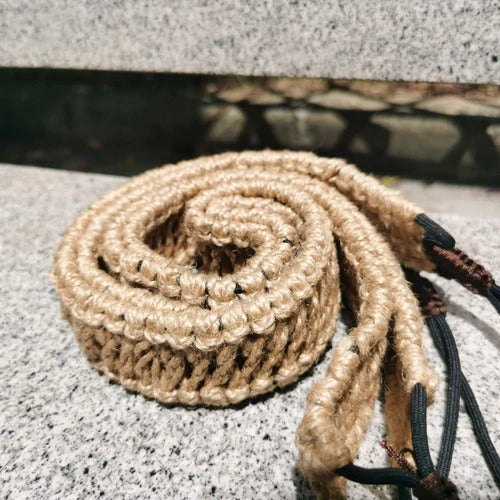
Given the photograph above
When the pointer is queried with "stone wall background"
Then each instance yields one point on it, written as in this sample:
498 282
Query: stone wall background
124 123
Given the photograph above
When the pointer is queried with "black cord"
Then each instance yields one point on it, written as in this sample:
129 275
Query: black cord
481 431
472 408
434 233
441 334
384 475
493 296
418 417
402 478
404 493
437 236
457 385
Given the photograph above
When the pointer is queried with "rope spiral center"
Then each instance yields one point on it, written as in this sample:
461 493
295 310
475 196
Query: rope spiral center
219 279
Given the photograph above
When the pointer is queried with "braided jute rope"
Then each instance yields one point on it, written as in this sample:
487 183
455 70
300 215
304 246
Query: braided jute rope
219 279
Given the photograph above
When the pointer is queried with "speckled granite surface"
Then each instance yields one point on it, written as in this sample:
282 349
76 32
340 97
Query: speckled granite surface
381 39
66 432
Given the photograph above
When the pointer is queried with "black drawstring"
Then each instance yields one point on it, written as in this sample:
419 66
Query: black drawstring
429 482
432 485
426 484
383 475
453 263
444 341
434 233
477 280
418 417
480 430
434 312
493 295
441 334
404 493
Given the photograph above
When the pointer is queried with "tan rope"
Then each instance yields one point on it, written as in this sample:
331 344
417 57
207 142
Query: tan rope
217 279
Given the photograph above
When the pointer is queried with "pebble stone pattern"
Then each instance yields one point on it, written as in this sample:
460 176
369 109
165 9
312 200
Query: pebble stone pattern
67 432
387 40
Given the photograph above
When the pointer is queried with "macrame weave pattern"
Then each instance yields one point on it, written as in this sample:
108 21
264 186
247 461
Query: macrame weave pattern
219 279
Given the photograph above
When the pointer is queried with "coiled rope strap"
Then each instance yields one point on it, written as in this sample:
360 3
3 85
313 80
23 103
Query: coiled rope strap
218 279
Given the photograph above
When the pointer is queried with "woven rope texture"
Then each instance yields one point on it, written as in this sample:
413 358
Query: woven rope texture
219 279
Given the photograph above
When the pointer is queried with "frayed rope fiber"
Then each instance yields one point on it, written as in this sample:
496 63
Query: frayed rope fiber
218 279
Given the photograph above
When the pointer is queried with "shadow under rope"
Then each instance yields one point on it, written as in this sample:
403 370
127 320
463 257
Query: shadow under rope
455 309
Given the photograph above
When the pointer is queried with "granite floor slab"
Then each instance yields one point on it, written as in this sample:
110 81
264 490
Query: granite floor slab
66 432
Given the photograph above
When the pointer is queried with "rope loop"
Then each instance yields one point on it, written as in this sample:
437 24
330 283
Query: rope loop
219 279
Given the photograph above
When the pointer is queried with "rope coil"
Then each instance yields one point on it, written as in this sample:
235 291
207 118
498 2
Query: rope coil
218 279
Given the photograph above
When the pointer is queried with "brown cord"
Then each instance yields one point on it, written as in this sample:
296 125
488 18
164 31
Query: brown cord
435 487
431 304
399 458
217 279
456 264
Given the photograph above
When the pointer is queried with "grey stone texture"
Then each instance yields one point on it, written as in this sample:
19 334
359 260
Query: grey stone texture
126 122
253 94
298 88
386 40
306 129
493 132
228 123
67 433
457 105
342 99
419 138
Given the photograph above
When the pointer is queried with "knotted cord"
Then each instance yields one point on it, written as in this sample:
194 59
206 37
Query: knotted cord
219 279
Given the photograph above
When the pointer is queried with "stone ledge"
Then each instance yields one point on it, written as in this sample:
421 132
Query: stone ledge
341 99
382 39
124 123
456 105
305 129
418 138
